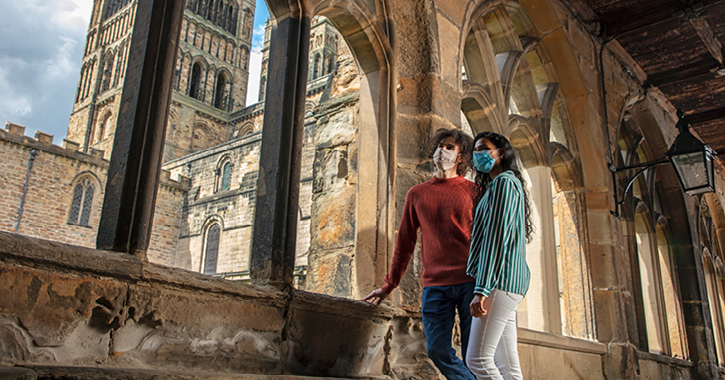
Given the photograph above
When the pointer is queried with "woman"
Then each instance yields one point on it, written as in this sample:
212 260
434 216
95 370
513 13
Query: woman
501 228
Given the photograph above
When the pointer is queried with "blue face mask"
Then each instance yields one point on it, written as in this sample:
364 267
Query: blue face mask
482 161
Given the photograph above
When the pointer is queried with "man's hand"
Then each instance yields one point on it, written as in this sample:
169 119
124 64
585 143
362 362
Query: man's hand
477 309
376 296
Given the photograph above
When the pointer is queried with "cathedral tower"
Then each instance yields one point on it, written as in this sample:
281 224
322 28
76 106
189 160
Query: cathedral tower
210 82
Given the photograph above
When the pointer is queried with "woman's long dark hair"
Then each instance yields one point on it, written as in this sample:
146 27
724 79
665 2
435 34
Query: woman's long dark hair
507 162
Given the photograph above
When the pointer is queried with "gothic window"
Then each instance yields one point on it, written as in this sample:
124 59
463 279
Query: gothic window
211 15
233 23
211 249
221 93
329 64
228 19
500 48
316 67
203 8
103 127
195 85
193 5
120 64
247 22
244 57
113 6
107 72
221 19
80 210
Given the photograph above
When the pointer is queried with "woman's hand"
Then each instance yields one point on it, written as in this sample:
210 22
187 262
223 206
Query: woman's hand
477 309
376 296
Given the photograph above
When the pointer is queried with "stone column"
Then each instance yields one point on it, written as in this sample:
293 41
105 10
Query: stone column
278 185
133 175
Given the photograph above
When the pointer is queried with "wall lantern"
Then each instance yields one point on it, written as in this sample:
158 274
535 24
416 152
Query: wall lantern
692 160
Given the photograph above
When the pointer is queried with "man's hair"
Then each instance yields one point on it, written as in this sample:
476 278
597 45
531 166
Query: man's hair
465 146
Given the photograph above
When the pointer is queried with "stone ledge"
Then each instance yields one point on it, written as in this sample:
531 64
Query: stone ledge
543 339
664 359
83 373
342 307
181 278
36 252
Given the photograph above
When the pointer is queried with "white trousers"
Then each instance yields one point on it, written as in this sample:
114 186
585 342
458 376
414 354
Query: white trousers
492 348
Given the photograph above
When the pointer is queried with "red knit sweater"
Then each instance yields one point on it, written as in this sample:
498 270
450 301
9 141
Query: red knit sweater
442 209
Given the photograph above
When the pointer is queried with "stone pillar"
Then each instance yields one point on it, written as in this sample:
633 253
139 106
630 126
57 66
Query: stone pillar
278 185
611 288
133 175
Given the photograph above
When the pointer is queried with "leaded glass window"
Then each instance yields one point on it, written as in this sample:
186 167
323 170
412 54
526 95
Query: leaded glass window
80 209
226 176
212 249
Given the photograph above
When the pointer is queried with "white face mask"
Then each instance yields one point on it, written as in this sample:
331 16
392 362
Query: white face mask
445 159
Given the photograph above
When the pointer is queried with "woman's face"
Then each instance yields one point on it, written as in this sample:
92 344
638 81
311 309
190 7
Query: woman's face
484 144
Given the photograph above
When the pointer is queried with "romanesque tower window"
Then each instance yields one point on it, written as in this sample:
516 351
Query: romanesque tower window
247 28
244 57
211 249
194 89
107 71
80 209
221 93
316 67
102 127
113 6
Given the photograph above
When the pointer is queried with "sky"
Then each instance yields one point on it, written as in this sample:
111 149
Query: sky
40 58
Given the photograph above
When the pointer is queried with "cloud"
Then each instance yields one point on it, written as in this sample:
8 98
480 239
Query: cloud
255 69
40 58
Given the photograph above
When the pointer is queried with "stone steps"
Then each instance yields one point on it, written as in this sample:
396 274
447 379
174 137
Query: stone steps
93 373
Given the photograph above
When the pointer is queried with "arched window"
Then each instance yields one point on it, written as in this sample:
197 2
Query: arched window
102 129
80 209
228 19
107 72
316 67
221 92
233 22
195 85
244 58
226 175
120 64
329 64
211 248
247 24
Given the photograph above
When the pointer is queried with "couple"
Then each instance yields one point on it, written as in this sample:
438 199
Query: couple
488 283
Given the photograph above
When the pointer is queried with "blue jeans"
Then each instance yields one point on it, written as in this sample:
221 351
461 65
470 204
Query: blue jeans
439 313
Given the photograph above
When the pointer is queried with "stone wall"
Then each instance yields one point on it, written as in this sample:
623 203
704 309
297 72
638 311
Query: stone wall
207 203
51 182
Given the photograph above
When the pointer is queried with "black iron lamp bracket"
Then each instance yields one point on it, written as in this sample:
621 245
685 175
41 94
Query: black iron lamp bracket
641 168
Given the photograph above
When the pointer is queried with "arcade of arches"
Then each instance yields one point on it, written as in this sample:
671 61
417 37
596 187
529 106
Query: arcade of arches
641 296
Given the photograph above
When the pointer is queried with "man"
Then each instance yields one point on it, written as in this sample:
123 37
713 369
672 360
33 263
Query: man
442 209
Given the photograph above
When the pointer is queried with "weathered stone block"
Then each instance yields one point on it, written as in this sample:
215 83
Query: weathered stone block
333 337
44 138
51 306
70 145
338 129
15 129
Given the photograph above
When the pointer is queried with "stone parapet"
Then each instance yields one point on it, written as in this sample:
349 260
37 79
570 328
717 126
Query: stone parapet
14 134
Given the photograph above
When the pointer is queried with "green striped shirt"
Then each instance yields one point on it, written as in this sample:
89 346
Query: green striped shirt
498 242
